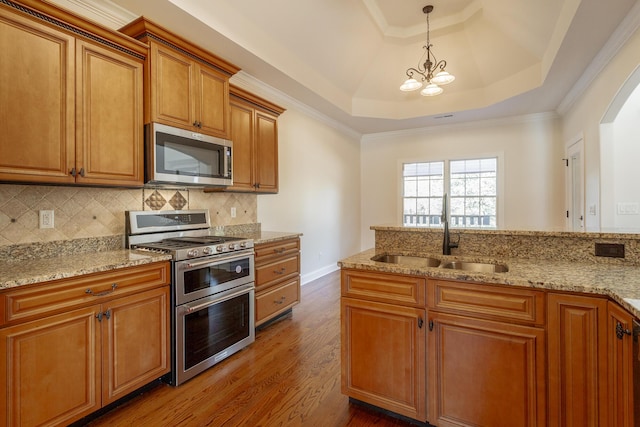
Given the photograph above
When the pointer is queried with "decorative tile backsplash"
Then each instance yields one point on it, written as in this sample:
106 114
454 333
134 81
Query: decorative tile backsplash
93 212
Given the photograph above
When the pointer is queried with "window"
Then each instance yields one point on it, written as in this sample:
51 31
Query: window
471 184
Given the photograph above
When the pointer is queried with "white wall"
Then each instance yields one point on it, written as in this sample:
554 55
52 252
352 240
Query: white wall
319 191
530 149
585 117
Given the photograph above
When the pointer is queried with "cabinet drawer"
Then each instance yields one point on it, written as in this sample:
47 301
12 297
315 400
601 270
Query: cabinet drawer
393 288
270 273
267 251
59 295
274 301
487 301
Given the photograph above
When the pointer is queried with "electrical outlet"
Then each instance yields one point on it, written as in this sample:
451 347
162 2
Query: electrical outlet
46 219
233 212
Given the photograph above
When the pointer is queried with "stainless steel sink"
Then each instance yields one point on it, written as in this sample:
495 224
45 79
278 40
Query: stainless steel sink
414 261
479 267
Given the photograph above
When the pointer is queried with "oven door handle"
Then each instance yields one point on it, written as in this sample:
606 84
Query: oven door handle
193 308
211 261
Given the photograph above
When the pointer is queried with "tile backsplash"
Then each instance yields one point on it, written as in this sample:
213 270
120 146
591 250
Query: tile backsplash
94 212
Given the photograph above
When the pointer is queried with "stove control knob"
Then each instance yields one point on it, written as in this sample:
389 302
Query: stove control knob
231 246
192 253
219 248
243 245
208 250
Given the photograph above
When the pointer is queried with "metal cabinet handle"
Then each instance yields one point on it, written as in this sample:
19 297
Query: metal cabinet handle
420 322
279 250
106 314
89 291
281 271
280 301
621 331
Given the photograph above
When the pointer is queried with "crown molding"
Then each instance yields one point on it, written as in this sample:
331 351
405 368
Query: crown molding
525 118
620 36
248 82
104 12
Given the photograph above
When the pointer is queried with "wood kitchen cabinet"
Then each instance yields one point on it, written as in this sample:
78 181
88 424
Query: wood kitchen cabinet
383 351
254 132
185 86
486 355
73 97
577 330
277 268
72 346
622 354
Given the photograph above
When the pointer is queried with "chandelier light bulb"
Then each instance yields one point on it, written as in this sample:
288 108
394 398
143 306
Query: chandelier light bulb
443 78
431 89
410 84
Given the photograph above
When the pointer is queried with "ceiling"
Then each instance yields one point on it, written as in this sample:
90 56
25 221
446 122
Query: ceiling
347 58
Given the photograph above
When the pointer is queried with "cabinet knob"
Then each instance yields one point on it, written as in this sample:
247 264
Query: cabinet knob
73 172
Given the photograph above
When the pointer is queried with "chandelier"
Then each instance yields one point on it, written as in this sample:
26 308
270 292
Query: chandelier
431 71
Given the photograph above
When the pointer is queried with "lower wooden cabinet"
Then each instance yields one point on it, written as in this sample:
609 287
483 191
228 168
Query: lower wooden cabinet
591 362
383 330
61 367
489 355
277 267
383 355
485 373
486 355
577 360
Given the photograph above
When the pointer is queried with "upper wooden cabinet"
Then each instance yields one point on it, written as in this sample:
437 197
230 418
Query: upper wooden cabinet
71 96
254 132
185 86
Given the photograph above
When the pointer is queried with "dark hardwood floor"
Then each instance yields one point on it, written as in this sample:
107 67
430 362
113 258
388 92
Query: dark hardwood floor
290 376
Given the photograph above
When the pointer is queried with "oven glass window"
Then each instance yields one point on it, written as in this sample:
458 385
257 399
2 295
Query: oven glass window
211 330
179 156
210 276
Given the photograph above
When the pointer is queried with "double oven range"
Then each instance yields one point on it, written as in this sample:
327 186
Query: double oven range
212 287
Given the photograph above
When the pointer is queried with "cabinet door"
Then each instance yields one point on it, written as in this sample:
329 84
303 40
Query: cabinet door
485 373
621 366
36 102
109 147
266 156
242 136
576 330
383 356
135 342
212 108
172 88
50 369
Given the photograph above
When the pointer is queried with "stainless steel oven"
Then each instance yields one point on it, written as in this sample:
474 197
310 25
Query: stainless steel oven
212 289
214 312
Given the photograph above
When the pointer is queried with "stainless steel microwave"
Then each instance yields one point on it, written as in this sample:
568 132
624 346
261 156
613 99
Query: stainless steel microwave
176 156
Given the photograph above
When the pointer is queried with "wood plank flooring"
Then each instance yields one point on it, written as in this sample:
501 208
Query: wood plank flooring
290 376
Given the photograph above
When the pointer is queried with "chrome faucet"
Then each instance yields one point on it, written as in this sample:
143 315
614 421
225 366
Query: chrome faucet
446 241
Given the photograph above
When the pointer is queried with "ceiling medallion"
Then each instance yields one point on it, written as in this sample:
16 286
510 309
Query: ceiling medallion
426 69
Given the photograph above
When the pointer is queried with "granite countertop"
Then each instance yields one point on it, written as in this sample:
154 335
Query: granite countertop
261 237
13 274
619 282
60 262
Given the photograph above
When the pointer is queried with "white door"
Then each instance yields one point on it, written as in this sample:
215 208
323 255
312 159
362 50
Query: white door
575 186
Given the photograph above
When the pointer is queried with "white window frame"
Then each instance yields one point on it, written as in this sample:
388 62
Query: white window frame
499 156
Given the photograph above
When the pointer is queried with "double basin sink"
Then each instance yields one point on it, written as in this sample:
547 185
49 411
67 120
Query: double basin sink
417 261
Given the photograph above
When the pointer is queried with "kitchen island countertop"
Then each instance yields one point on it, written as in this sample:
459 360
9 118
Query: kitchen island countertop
619 282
